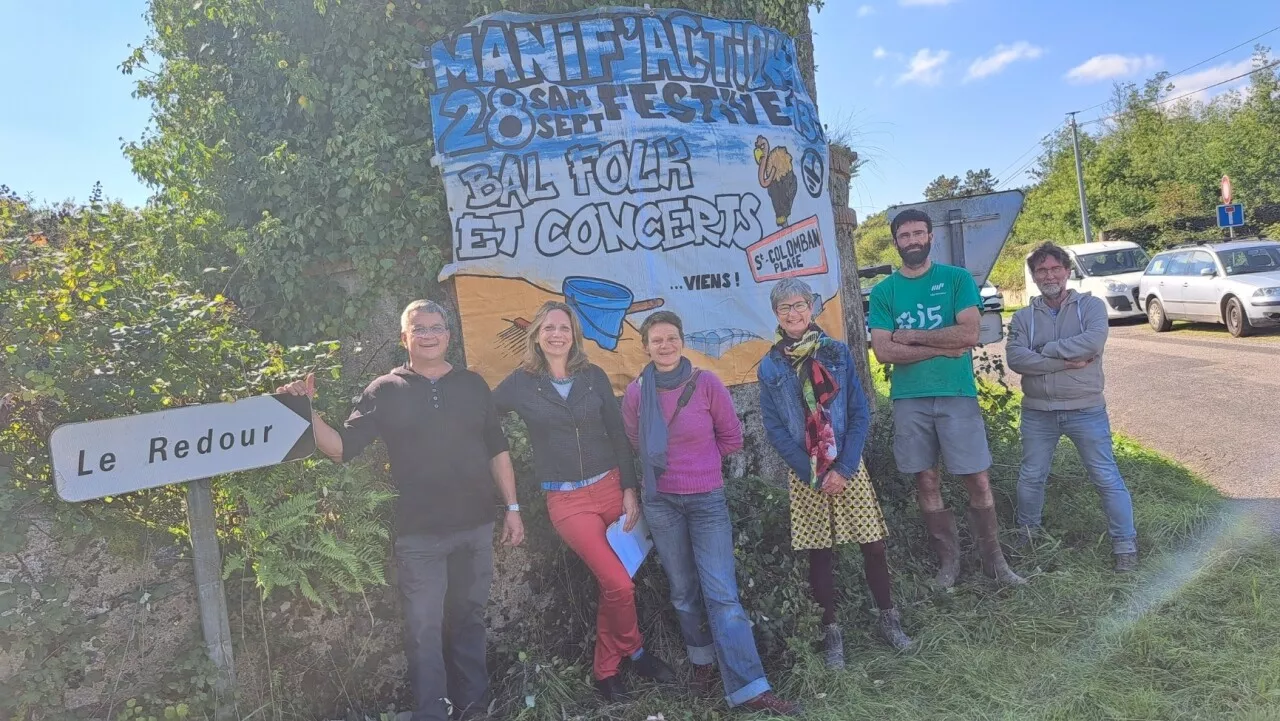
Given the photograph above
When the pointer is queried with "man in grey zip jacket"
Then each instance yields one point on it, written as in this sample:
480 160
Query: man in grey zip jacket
1056 345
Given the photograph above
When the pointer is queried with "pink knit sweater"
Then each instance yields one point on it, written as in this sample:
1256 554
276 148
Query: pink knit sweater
706 430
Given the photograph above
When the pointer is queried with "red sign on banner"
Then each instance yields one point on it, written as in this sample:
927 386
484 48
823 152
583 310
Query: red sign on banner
1226 190
794 251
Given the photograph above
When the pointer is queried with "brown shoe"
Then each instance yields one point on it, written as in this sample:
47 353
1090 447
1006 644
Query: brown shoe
986 529
704 680
1126 562
771 704
945 541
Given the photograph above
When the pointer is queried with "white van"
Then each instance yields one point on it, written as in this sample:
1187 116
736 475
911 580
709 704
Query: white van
1109 270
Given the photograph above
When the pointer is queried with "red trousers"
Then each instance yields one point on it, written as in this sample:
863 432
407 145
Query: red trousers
580 517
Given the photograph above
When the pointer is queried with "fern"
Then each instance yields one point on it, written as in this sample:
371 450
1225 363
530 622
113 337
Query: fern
314 530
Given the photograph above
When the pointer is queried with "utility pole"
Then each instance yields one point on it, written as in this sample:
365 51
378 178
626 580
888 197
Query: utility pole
1084 204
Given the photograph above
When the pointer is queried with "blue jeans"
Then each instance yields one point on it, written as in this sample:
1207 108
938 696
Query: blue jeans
1090 430
444 586
694 539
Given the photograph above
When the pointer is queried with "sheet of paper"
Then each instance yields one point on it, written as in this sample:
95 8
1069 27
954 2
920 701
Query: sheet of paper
633 547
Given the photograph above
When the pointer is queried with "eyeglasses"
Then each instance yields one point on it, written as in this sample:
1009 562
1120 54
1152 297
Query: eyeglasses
420 331
786 308
1049 270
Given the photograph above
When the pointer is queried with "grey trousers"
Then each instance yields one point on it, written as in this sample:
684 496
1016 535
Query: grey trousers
444 586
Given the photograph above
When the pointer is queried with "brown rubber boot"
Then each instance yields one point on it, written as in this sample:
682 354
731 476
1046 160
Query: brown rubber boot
986 529
945 541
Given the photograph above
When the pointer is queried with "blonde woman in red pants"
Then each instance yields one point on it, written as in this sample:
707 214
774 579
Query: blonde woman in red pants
583 460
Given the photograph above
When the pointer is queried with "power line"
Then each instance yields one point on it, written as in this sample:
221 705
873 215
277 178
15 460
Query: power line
1176 98
1224 52
1018 172
1202 62
1037 144
1046 136
1166 101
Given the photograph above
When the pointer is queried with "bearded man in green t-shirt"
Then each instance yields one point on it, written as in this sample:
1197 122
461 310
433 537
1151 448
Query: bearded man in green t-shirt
925 322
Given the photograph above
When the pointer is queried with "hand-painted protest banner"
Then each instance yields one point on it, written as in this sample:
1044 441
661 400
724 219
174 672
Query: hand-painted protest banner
626 160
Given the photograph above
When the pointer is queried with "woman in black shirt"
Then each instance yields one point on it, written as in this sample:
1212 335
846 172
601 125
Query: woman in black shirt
583 460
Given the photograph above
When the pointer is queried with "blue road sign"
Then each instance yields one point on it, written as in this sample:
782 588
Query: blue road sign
1231 216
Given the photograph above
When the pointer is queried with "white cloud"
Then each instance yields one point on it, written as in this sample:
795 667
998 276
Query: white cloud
1002 56
879 53
865 10
924 3
1184 84
1106 67
925 67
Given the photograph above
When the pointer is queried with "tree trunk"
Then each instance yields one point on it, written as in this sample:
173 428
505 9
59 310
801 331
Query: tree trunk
842 160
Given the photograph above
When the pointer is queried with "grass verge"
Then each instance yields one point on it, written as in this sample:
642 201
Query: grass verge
1192 635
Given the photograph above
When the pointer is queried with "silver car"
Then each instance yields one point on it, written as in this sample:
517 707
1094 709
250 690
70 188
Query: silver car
1235 283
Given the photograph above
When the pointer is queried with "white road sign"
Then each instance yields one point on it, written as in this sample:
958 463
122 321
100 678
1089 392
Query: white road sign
117 455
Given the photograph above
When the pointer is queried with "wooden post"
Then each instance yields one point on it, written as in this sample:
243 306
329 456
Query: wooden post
842 160
210 595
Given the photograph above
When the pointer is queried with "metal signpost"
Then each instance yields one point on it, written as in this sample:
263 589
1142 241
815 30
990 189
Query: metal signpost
193 443
1230 215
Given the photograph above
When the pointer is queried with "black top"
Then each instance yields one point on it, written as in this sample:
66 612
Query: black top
441 436
573 438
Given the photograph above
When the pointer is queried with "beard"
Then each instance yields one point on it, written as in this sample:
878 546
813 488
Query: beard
915 257
1051 290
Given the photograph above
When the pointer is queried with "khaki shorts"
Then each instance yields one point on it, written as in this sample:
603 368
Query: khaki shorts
950 429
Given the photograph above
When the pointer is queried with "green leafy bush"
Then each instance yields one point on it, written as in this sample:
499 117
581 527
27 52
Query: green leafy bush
93 326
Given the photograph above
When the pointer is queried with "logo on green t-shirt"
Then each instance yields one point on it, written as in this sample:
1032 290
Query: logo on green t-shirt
929 302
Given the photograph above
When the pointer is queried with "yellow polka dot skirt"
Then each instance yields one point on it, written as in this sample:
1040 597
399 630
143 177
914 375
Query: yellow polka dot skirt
822 521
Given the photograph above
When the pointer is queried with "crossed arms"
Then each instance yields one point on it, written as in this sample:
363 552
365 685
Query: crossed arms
1070 353
903 347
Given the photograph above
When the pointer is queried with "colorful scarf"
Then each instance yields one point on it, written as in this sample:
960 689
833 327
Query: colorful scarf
817 388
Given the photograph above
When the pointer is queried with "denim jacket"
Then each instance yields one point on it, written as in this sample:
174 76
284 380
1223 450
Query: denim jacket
783 410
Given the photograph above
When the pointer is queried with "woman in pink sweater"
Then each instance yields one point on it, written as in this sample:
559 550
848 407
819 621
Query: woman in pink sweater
683 423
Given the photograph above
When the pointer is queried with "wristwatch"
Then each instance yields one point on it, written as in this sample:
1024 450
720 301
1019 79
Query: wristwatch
513 507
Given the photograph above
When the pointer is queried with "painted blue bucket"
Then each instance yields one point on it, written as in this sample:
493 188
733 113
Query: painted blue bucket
601 306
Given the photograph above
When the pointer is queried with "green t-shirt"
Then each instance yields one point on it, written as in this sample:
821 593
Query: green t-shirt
927 303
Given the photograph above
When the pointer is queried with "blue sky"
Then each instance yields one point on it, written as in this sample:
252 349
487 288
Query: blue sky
906 75
65 104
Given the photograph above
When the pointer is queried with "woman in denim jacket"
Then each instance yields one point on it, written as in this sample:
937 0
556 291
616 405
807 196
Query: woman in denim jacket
816 417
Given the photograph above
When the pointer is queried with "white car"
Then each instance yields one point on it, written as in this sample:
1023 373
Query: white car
992 298
1235 283
1109 270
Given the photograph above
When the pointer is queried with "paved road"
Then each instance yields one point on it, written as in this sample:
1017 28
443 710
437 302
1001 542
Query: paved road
1196 394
